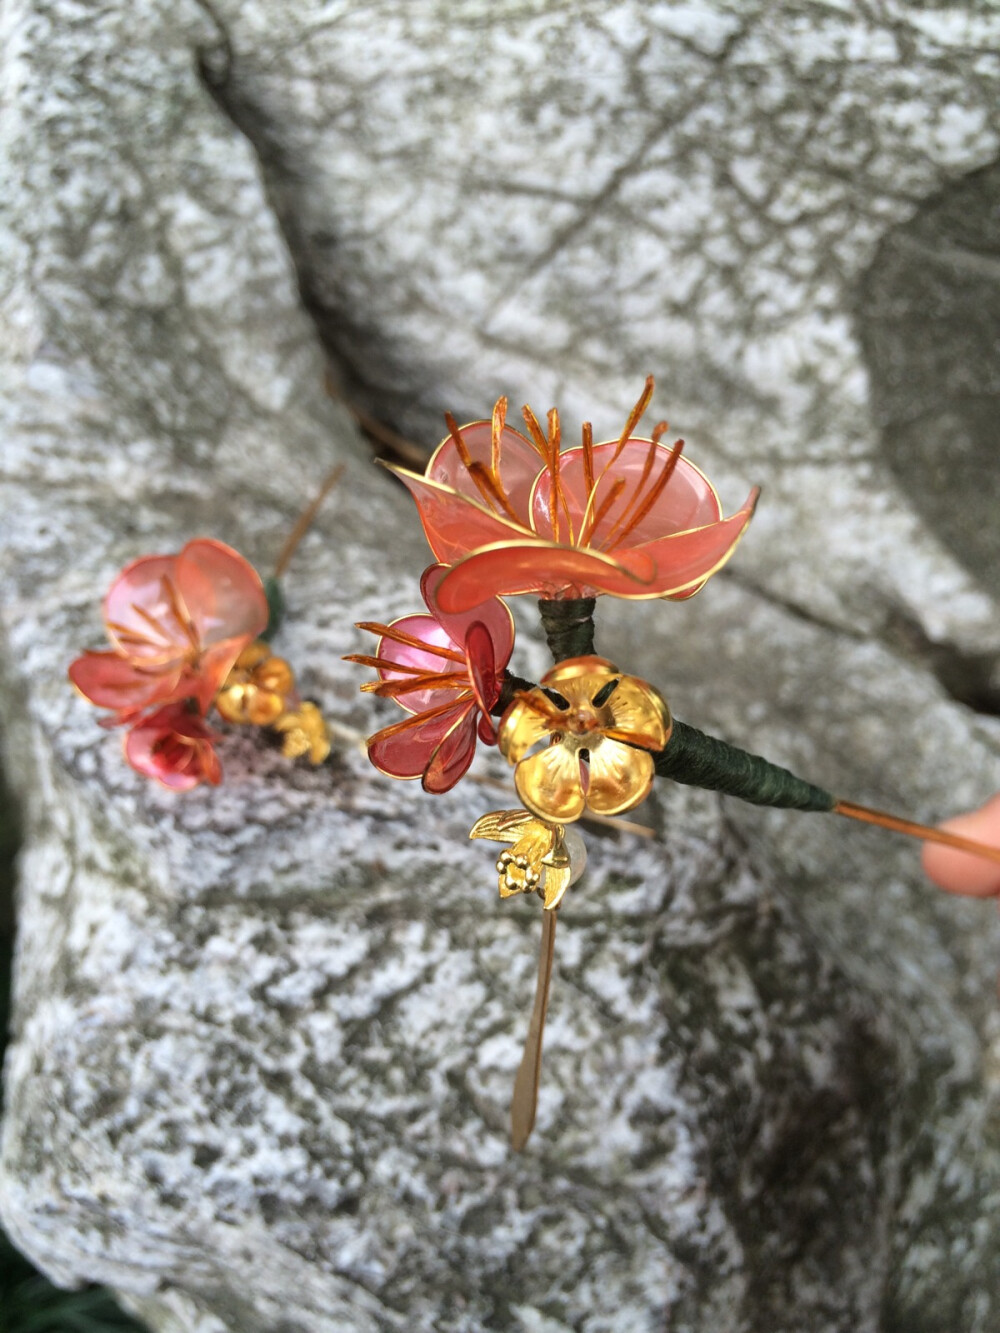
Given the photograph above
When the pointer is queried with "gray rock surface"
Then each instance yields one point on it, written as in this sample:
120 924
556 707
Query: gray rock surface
265 1035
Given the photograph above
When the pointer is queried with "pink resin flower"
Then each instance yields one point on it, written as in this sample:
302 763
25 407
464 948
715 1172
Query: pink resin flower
512 514
176 624
174 746
446 669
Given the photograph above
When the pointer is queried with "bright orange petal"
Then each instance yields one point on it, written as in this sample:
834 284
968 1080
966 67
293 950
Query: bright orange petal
453 523
111 681
686 560
492 613
509 568
222 592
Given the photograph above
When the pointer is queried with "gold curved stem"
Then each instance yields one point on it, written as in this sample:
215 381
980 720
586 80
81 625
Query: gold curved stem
525 1100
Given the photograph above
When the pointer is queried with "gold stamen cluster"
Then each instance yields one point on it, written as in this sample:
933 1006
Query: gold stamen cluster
260 691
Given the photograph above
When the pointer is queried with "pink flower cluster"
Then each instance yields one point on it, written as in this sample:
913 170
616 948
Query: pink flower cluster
176 624
446 670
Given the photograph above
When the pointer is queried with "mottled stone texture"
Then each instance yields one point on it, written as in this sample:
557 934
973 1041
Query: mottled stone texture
265 1035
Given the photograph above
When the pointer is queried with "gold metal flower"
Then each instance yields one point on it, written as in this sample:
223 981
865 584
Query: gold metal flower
592 719
305 732
544 858
257 688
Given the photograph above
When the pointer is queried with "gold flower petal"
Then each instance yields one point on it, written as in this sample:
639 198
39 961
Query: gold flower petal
639 714
550 784
252 655
526 722
578 679
620 777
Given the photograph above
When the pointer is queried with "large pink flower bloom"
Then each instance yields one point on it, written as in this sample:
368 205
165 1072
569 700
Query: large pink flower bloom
176 623
512 514
446 669
174 746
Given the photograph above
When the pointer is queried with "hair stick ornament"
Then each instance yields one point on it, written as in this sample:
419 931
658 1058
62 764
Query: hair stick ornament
505 514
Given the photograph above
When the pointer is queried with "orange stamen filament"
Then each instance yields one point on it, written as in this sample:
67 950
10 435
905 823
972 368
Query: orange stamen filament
590 522
535 431
384 664
544 707
557 497
392 689
410 641
131 636
654 493
606 504
489 489
415 721
588 456
487 481
633 500
180 612
496 434
634 418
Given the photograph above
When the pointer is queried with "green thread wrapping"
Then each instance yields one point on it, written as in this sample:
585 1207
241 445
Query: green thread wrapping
275 607
702 761
569 626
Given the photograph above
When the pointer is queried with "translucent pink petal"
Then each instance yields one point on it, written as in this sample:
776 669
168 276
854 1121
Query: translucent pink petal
451 760
520 464
685 560
140 615
222 592
493 614
486 729
453 524
429 631
405 754
482 666
687 501
204 681
545 570
174 746
111 681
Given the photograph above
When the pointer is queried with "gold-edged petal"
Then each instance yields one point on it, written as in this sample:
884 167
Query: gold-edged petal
639 714
526 722
620 777
550 784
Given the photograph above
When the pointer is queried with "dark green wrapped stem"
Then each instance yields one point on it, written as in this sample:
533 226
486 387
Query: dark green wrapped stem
511 685
568 626
275 607
702 761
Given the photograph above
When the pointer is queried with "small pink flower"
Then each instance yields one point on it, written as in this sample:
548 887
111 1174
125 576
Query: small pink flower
446 669
512 514
176 624
174 746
